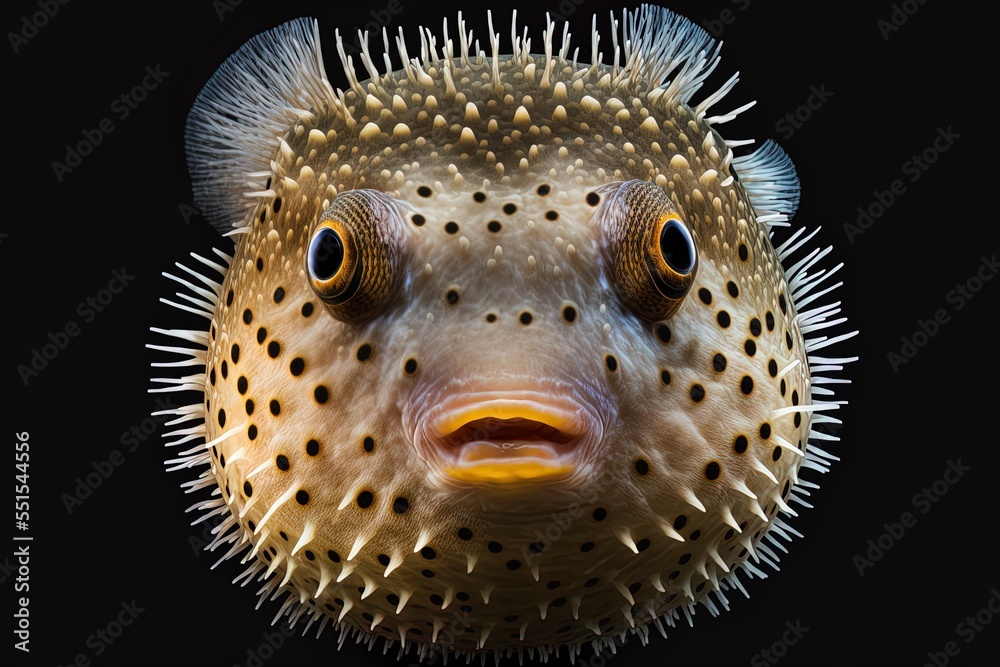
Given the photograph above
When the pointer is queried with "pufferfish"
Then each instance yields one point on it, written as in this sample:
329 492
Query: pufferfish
504 360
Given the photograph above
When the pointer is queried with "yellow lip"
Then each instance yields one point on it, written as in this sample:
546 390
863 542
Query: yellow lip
503 409
506 472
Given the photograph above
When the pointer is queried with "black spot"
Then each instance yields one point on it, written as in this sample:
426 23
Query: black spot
719 363
590 583
275 407
744 253
383 560
279 294
674 574
307 309
273 349
697 393
634 588
365 499
410 367
252 432
312 448
277 204
491 317
418 220
462 596
734 291
705 296
611 363
494 226
746 384
297 366
544 190
282 462
509 209
750 347
765 430
249 407
600 514
665 377
769 320
427 573
247 316
464 534
400 505
452 297
242 385
428 553
494 547
569 313
712 470
260 264
593 198
229 298
364 352
740 445
301 497
392 599
663 332
552 585
551 215
788 340
310 555
776 454
513 564
424 191
225 369
642 544
782 304
479 197
558 602
222 461
723 319
587 546
321 394
451 227
261 335
211 377
784 489
680 522
797 420
222 417
247 489
437 599
772 368
526 317
684 559
755 326
782 386
235 353
695 535
333 556
641 466
368 444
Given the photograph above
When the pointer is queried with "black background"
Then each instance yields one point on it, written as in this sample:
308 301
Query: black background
124 207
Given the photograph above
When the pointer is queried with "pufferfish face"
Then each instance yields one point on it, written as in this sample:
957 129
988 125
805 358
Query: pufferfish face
504 358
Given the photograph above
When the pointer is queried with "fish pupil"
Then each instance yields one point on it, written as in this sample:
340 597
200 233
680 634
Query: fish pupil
326 255
676 248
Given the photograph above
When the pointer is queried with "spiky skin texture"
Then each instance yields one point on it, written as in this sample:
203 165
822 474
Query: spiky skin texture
314 426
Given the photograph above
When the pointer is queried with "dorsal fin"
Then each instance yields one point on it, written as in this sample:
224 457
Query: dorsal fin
233 128
771 183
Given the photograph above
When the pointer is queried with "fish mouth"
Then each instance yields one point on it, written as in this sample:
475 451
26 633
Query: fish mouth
508 439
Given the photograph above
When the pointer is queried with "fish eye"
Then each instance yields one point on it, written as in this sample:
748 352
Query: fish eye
677 246
326 254
353 259
649 250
